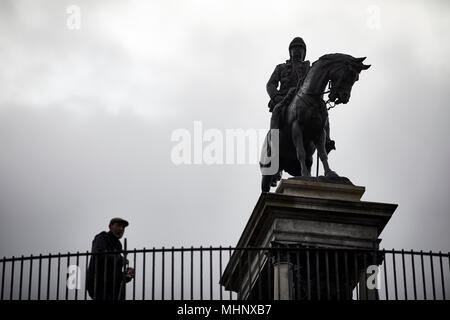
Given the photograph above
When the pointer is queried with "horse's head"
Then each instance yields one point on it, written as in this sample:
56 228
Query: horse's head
344 72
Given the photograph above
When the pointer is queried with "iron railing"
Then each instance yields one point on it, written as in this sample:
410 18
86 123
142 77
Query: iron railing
226 273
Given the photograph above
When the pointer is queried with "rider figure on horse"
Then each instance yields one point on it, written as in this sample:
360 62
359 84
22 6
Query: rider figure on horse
290 76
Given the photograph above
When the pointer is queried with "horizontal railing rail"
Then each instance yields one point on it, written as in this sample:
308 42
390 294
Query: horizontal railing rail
228 273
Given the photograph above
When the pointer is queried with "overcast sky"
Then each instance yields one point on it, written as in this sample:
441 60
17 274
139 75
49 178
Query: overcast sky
86 115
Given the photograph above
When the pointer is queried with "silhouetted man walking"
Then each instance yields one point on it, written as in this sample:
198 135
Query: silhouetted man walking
106 277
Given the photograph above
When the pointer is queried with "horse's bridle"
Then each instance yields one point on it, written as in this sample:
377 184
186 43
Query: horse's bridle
328 102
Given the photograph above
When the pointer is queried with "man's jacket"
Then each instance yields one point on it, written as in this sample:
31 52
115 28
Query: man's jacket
105 272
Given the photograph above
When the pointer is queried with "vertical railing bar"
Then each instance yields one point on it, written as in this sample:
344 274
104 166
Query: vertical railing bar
240 275
115 295
182 275
327 270
317 274
3 277
49 275
385 276
423 276
336 265
278 273
201 273
259 275
395 274
172 275
355 264
105 279
210 273
21 277
365 275
269 275
375 263
134 280
291 289
346 275
220 270
76 274
163 253
12 278
86 268
144 256
39 276
30 277
249 267
442 275
413 274
229 259
297 257
65 282
404 274
432 275
192 273
153 272
448 260
94 258
308 275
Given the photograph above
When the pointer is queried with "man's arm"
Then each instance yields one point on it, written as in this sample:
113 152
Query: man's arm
272 84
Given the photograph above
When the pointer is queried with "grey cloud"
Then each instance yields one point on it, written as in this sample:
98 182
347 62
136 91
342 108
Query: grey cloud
86 117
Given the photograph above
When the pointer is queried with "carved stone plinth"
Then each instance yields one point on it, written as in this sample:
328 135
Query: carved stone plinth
305 214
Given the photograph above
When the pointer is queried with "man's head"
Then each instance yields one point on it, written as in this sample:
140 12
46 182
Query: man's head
117 226
297 49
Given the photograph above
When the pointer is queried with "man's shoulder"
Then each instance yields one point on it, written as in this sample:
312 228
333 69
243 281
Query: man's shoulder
101 235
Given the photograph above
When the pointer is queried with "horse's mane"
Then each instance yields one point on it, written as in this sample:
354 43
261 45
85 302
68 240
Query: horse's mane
339 57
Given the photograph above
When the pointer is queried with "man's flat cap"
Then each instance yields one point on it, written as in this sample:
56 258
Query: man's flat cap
119 220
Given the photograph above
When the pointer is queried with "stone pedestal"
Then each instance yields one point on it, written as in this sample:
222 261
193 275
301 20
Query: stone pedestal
304 214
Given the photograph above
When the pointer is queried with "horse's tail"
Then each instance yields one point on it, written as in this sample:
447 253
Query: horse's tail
265 152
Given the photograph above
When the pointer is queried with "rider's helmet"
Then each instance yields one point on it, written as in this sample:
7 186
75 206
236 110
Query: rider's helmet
297 41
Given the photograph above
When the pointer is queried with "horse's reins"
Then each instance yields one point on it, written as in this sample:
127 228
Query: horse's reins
328 102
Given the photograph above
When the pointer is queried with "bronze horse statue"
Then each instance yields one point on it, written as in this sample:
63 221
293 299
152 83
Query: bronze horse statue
301 129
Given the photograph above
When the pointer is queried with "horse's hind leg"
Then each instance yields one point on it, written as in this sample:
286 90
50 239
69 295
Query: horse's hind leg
297 137
309 149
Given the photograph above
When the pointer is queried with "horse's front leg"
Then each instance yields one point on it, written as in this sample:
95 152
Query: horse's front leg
297 137
320 145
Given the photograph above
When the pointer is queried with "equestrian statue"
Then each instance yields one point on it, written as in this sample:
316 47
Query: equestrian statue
299 124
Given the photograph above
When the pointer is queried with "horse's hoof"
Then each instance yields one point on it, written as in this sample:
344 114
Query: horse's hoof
331 174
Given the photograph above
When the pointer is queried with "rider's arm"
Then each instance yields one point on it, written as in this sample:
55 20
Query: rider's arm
272 84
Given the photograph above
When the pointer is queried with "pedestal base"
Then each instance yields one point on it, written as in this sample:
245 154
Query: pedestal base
308 214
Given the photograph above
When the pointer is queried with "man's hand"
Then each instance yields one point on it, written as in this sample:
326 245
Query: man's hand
130 273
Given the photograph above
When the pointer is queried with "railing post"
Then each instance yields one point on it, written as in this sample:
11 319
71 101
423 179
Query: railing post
282 271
